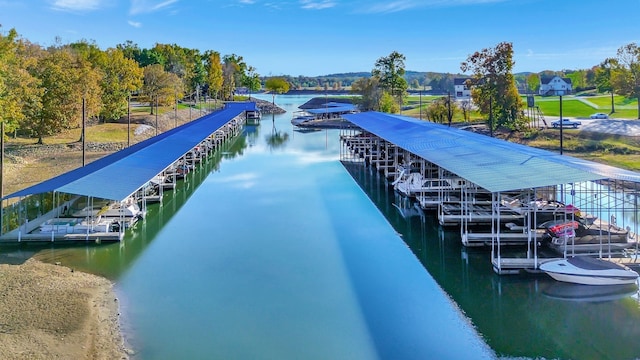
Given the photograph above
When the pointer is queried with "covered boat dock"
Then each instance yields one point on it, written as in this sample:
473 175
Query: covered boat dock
501 193
120 184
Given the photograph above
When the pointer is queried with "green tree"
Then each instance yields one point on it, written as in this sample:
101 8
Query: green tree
388 104
578 79
437 111
158 85
390 72
494 86
603 79
121 76
187 64
58 98
625 74
18 88
234 71
252 80
370 93
86 75
229 69
276 85
533 83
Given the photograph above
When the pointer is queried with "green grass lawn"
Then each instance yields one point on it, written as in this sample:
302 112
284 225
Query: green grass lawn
572 107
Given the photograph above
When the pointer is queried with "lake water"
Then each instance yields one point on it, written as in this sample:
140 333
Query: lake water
276 250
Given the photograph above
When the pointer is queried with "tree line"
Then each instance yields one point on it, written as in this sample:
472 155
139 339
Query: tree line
44 91
494 87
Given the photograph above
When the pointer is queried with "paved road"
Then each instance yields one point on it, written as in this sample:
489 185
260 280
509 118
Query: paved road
608 126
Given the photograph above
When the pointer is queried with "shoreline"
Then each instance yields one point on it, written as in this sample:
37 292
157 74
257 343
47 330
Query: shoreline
53 312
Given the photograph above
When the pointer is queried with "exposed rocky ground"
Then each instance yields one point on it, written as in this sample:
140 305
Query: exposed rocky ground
267 107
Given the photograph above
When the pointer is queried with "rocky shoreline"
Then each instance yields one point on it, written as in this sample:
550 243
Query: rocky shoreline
267 107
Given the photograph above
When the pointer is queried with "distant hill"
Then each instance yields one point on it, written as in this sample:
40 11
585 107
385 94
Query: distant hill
427 81
438 83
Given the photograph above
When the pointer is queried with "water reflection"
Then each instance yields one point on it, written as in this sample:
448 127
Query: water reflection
579 292
111 260
528 315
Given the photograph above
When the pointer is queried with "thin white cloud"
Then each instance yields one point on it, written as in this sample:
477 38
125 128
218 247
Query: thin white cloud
403 5
391 7
317 5
247 2
149 6
77 5
135 24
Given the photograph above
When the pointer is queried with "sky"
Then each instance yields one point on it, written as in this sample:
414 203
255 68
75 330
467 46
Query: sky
321 37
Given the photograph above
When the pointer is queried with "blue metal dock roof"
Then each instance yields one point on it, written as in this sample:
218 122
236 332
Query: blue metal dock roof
119 175
493 164
332 107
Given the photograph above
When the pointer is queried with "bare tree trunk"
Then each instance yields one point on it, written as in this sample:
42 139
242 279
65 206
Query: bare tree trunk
613 107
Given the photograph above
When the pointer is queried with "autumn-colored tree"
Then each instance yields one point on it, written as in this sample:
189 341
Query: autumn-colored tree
187 64
494 89
159 86
18 88
214 77
55 86
121 76
466 107
388 104
370 93
234 72
603 79
625 75
437 111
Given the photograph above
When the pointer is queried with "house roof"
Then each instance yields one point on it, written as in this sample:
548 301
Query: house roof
460 81
493 164
119 175
547 79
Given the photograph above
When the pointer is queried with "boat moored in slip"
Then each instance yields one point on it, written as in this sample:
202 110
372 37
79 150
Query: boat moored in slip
127 213
589 271
583 236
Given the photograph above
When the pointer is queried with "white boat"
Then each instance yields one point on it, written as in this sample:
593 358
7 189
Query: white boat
589 271
301 117
413 184
78 226
586 236
128 211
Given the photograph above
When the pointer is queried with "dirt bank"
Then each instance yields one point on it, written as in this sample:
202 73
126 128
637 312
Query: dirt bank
52 312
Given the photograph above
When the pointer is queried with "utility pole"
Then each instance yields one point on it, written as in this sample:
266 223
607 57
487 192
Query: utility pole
156 115
129 120
561 123
491 115
449 114
83 133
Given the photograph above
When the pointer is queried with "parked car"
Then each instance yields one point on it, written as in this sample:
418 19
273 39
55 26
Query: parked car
599 116
566 123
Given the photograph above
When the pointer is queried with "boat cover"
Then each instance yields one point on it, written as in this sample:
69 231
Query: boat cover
493 164
121 174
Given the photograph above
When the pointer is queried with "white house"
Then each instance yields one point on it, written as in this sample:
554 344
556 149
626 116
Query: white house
462 90
554 85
